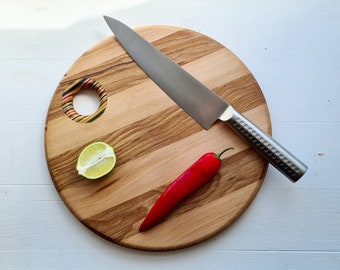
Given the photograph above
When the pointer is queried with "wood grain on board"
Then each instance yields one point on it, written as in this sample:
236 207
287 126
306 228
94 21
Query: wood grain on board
155 141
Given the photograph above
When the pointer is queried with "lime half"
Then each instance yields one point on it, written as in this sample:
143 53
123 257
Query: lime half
96 160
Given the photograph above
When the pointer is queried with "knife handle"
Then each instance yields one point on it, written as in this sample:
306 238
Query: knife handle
270 149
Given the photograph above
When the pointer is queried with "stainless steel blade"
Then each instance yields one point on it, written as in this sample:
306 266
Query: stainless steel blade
200 102
191 95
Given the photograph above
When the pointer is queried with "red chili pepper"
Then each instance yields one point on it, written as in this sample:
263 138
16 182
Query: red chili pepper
195 176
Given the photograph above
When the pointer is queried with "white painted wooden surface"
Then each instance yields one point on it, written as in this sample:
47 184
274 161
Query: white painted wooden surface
292 48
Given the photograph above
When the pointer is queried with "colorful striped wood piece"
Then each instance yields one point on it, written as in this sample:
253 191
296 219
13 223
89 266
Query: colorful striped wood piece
155 141
71 91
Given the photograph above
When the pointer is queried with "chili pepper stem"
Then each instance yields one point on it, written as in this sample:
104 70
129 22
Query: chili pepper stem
222 152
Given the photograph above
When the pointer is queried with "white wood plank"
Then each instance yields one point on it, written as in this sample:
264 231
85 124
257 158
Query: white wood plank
199 259
28 86
317 144
290 219
23 155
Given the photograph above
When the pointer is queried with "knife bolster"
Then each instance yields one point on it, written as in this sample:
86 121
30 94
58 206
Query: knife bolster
227 114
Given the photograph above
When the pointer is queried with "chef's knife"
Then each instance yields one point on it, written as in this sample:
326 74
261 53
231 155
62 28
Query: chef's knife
201 103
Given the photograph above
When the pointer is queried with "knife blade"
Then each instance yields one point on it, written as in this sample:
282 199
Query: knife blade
202 104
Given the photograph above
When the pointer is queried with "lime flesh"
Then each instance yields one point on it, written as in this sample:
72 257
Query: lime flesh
96 160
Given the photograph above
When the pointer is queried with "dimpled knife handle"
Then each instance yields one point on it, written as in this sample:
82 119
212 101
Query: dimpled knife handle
275 153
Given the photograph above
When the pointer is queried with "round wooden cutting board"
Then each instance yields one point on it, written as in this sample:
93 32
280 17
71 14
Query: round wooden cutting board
155 141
